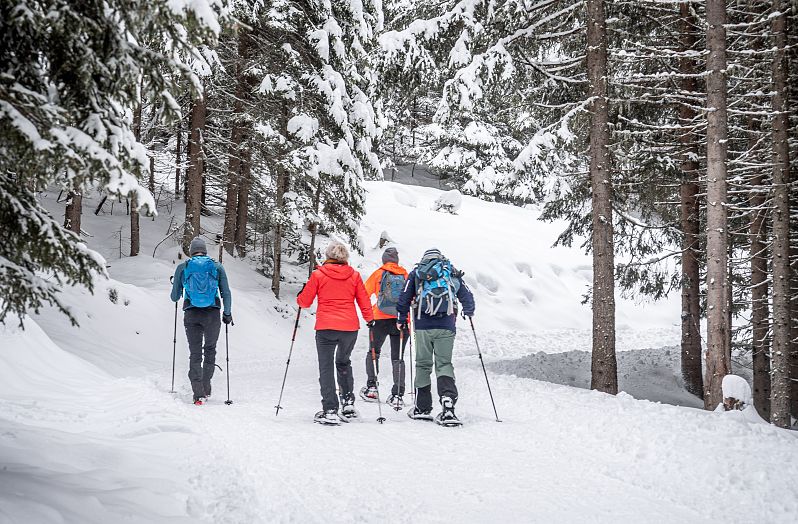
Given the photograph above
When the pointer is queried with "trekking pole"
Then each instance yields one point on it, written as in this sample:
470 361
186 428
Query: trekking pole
227 367
471 320
287 362
380 419
174 351
412 343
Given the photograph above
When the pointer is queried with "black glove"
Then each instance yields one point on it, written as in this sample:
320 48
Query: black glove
468 314
370 324
227 319
401 326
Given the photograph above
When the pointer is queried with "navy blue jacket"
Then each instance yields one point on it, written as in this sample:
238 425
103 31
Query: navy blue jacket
439 321
224 288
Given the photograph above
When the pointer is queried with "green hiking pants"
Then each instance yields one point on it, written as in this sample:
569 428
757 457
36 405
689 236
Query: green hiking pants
437 345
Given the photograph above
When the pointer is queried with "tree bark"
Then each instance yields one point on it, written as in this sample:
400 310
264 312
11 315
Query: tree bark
604 366
690 215
73 212
135 240
243 202
281 188
313 228
780 355
194 173
717 364
178 153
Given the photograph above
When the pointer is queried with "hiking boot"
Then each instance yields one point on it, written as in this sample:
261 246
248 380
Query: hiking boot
328 417
198 401
348 410
447 417
419 414
369 393
396 402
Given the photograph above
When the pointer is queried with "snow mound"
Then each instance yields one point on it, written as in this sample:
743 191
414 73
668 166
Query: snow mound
449 202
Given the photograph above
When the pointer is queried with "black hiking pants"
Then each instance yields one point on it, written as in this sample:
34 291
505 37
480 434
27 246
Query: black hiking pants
334 349
202 331
383 329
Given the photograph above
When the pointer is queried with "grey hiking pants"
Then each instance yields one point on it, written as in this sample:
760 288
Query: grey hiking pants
334 349
434 346
202 331
383 329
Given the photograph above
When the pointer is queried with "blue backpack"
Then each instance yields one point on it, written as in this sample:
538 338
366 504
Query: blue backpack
391 286
201 281
438 284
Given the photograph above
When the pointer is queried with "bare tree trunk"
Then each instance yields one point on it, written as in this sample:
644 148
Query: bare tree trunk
194 173
717 218
604 366
135 237
314 227
780 355
243 202
178 153
73 212
690 209
760 321
281 188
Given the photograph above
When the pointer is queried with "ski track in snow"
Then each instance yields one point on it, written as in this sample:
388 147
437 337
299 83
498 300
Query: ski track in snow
90 433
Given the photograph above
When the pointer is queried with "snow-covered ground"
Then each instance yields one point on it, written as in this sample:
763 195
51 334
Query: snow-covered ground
90 433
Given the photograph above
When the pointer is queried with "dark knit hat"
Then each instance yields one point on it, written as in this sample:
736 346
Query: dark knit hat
197 246
390 255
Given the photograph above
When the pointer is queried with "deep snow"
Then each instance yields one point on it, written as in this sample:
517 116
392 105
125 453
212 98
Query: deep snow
90 433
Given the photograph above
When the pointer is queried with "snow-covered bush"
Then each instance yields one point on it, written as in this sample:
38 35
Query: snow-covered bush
449 202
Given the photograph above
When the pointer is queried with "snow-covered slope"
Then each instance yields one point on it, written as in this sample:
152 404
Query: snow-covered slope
90 433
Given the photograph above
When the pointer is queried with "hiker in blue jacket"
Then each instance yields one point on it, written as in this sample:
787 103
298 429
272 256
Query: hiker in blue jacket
203 280
433 289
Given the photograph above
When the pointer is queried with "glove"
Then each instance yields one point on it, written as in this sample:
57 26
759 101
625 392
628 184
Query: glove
227 319
468 314
401 326
370 324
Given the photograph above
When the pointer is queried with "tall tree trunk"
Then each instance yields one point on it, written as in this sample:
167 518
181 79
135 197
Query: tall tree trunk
178 153
281 188
717 218
780 356
604 369
194 173
689 215
760 321
314 228
243 202
234 151
135 240
73 212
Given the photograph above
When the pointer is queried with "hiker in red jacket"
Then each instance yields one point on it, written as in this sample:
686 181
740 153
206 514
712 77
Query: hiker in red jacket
338 286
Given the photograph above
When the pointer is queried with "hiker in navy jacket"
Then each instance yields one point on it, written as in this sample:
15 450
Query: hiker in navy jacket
434 320
201 320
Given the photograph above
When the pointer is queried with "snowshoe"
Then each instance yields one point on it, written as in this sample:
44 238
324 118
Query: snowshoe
348 410
198 401
328 417
369 394
417 414
396 402
447 417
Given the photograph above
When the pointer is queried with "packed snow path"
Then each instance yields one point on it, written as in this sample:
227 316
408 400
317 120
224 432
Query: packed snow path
89 431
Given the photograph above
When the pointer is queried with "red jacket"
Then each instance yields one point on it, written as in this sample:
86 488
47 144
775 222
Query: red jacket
337 286
373 285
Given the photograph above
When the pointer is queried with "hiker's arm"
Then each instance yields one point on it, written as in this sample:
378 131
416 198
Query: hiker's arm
363 300
224 290
372 282
466 298
177 283
407 296
305 298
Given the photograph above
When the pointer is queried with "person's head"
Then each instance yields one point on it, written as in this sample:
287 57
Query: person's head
197 247
390 255
337 252
432 253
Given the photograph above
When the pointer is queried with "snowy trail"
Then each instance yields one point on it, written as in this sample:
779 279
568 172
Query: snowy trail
90 433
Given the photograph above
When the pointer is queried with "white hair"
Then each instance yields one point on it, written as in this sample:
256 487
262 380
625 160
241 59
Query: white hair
337 251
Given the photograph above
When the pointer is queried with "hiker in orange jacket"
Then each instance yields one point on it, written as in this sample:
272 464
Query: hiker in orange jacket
386 283
338 288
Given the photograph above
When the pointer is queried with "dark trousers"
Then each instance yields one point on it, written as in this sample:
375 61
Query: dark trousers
202 331
383 329
335 349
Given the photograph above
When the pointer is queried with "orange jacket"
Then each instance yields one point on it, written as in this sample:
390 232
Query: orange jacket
373 285
337 287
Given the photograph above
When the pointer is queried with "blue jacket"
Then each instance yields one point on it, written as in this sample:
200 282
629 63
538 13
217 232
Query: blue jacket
441 320
224 288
